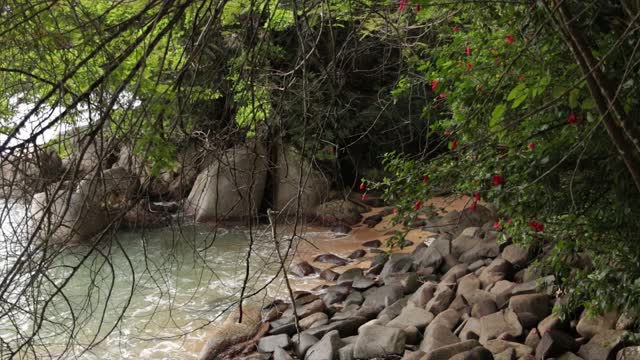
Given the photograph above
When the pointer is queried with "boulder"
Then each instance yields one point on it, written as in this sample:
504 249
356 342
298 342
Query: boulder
302 269
455 221
436 337
331 259
270 343
302 342
411 316
433 255
92 206
555 343
232 187
281 354
356 254
629 353
502 322
516 255
379 341
381 297
450 351
346 352
314 318
588 325
326 348
538 305
603 345
339 212
441 299
424 294
372 244
329 275
350 276
497 346
465 241
499 269
298 183
486 247
397 263
409 281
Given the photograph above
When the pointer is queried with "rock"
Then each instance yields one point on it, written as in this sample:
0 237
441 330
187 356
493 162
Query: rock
372 243
397 263
471 329
302 342
436 337
555 343
331 259
339 212
516 255
346 352
357 254
497 346
77 213
441 299
413 355
411 316
231 332
355 298
372 220
281 354
392 311
349 276
433 255
290 171
270 343
629 353
486 247
499 269
273 311
450 351
533 339
551 322
465 241
477 296
509 354
363 283
424 294
538 305
455 221
502 322
326 348
347 327
230 192
477 353
603 345
302 269
329 275
307 309
381 297
476 265
455 273
379 341
255 356
412 335
335 294
589 326
341 229
409 281
468 284
482 308
308 321
625 322
448 318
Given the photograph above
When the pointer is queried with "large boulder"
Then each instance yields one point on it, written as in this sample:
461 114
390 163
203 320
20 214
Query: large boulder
29 172
76 214
296 182
339 212
232 187
378 341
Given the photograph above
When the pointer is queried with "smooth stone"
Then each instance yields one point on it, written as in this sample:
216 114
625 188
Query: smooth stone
589 326
326 348
308 321
372 243
603 345
379 298
331 259
411 316
450 351
329 275
270 343
497 346
436 337
379 341
504 321
538 305
397 263
356 254
281 354
302 342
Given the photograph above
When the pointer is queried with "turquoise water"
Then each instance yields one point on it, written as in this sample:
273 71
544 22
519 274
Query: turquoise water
142 295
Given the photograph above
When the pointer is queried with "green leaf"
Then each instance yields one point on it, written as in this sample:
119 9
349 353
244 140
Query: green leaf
573 98
517 91
519 100
588 104
496 115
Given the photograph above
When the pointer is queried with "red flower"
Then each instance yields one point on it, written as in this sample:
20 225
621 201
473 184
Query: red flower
363 186
497 225
573 119
532 146
469 66
456 29
510 39
447 133
425 179
417 205
473 206
363 197
497 180
402 5
510 221
453 145
467 51
434 85
537 226
418 7
477 196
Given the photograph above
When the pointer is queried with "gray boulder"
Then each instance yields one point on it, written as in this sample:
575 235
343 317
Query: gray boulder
325 349
379 341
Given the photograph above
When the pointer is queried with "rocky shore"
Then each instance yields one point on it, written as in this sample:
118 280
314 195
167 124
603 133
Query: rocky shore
455 293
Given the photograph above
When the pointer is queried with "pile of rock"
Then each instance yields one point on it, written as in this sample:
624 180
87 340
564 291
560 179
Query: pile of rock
462 297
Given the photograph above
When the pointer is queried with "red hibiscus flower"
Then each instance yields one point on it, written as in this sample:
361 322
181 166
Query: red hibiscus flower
402 5
477 196
363 187
453 145
532 146
573 119
425 179
473 206
467 51
537 226
510 39
363 197
497 225
469 66
497 180
417 7
417 205
456 29
434 85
